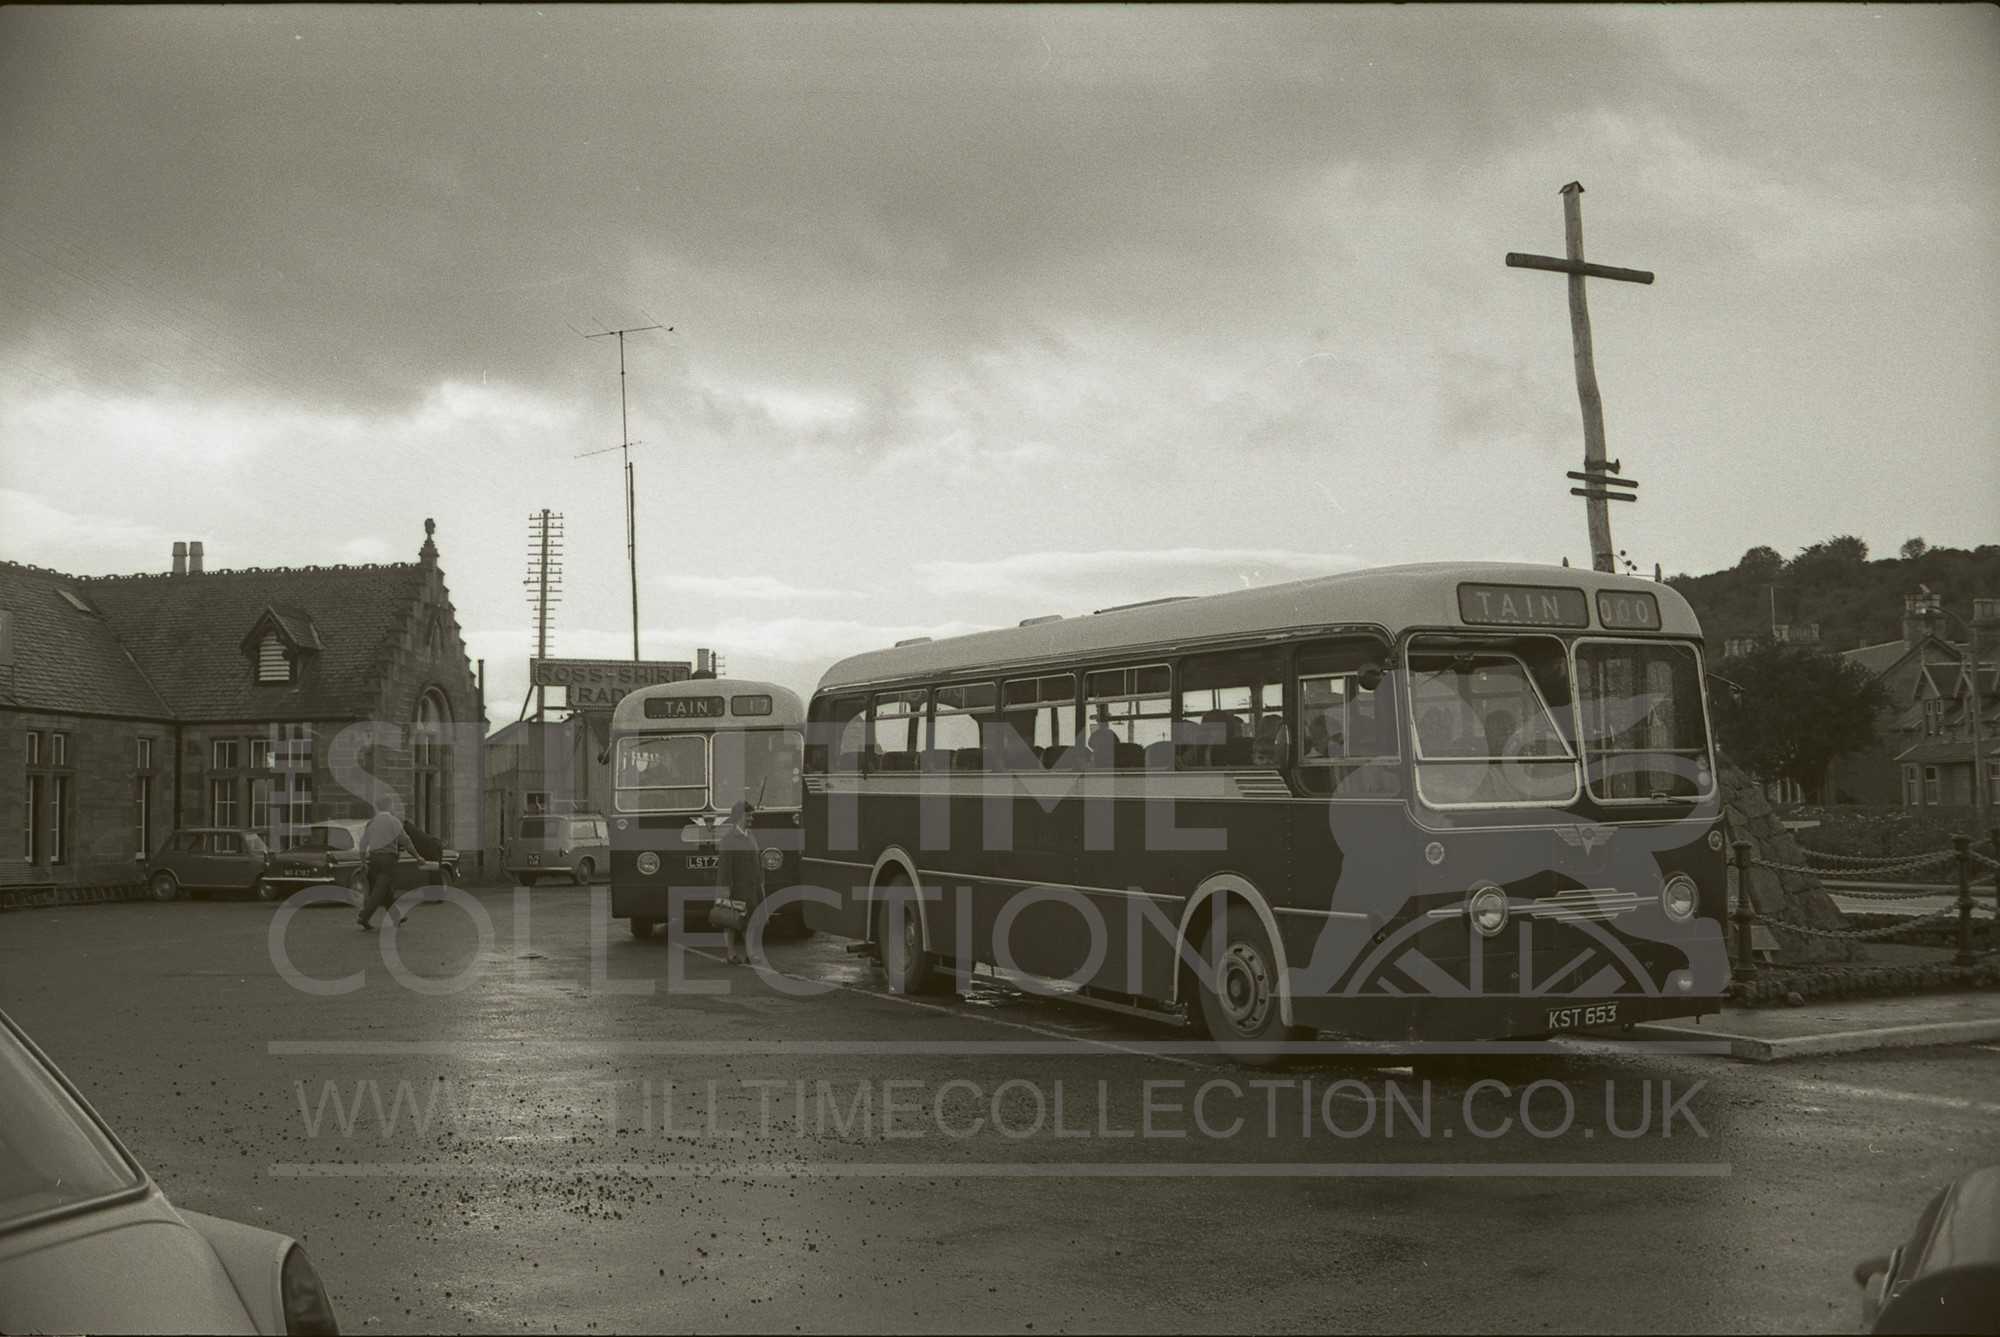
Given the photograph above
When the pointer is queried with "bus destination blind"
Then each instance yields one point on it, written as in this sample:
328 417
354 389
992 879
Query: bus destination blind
1523 606
1628 610
685 708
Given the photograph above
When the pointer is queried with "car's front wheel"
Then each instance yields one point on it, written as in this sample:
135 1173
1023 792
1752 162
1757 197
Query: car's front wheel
268 890
641 928
164 886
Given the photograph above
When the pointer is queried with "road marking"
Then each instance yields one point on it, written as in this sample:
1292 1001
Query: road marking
1904 1097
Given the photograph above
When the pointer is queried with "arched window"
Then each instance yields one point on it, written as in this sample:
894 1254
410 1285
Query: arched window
431 763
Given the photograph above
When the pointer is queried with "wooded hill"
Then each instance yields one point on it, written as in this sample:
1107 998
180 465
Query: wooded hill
1855 601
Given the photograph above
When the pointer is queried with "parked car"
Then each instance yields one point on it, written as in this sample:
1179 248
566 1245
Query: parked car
330 852
1946 1277
572 845
210 858
89 1243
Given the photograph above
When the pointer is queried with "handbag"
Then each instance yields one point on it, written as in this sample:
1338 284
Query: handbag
728 914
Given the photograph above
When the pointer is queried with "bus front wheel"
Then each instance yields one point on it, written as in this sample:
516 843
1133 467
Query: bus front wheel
1240 1004
911 969
641 928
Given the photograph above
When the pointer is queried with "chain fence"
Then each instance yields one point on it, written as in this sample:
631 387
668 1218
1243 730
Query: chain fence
1822 863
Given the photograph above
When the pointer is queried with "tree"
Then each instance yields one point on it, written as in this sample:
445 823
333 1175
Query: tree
1761 563
1913 549
1792 709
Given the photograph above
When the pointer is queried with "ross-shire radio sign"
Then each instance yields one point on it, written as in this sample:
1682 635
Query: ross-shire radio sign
598 684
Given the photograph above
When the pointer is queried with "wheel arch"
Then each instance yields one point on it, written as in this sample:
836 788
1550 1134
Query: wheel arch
1235 886
890 862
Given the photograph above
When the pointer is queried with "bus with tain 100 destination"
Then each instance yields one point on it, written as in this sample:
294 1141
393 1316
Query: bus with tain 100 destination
1437 802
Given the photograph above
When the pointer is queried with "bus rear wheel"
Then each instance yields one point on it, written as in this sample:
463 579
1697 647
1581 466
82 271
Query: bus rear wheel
911 969
1241 1007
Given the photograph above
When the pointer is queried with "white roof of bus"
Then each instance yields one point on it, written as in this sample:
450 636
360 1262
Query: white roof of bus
1391 596
630 714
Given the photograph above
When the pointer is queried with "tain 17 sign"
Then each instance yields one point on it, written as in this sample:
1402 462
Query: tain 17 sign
1523 606
684 708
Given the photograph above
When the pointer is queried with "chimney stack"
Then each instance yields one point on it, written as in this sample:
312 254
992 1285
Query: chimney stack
1918 611
194 558
180 557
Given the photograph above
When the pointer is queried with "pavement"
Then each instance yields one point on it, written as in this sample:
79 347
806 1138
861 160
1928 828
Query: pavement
1771 1034
510 1116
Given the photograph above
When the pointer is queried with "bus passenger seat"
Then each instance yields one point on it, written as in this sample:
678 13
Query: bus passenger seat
968 759
1160 756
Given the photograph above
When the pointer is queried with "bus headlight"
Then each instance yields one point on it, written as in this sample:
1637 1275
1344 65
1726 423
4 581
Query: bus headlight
1679 897
1488 910
649 863
773 859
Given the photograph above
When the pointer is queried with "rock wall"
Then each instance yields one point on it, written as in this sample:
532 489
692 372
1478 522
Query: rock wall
1779 897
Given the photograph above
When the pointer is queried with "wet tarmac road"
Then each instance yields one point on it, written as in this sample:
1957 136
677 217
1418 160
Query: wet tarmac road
512 1122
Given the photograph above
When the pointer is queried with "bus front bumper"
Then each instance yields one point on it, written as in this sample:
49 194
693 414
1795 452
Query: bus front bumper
1491 1017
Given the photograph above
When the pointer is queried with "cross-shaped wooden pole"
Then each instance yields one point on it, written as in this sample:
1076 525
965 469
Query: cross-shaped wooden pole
1602 556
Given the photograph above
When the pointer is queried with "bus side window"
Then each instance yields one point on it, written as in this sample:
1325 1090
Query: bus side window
1348 743
838 731
1232 711
898 730
1041 713
957 714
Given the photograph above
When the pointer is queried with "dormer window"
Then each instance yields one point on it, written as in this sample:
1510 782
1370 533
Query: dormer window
273 664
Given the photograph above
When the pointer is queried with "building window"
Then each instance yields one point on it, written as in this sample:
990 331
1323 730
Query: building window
142 759
1931 794
273 664
34 748
223 754
142 814
298 802
58 749
1913 794
432 766
222 802
31 839
1993 782
60 816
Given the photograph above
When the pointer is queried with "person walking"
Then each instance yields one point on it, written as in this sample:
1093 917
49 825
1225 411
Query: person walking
739 883
381 840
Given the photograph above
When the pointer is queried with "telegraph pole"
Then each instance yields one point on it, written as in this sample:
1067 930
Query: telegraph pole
625 444
545 537
1598 474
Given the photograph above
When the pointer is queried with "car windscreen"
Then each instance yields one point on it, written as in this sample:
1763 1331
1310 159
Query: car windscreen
1644 733
538 828
762 767
52 1154
662 774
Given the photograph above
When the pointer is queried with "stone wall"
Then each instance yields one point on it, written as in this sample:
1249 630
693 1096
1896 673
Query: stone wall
1779 897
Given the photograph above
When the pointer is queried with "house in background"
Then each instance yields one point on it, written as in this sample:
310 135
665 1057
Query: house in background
535 767
260 698
1922 756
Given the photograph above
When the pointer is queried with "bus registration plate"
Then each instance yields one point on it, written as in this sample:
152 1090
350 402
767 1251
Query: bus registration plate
1576 1018
703 860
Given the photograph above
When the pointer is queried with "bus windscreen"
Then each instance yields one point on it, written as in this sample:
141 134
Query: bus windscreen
667 774
1644 735
761 766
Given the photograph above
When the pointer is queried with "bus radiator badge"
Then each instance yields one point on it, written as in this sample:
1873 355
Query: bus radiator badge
1585 838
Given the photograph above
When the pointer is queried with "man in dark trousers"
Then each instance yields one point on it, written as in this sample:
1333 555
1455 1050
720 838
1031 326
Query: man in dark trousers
381 841
739 878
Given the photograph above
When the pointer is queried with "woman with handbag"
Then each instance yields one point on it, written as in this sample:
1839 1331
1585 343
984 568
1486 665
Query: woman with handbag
739 882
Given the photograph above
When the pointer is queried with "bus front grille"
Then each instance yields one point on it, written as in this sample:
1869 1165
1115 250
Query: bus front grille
1585 903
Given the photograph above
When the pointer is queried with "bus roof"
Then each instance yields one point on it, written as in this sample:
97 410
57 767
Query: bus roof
1393 597
630 714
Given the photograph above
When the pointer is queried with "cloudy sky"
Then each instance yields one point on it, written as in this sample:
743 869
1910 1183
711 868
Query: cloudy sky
981 314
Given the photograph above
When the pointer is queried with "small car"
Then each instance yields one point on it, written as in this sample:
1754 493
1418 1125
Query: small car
89 1243
572 845
330 852
210 858
1946 1277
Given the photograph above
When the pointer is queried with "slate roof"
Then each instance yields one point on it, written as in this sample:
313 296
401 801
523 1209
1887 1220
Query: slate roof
187 633
66 659
172 647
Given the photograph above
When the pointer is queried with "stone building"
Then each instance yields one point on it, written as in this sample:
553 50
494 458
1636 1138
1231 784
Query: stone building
1922 755
260 697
